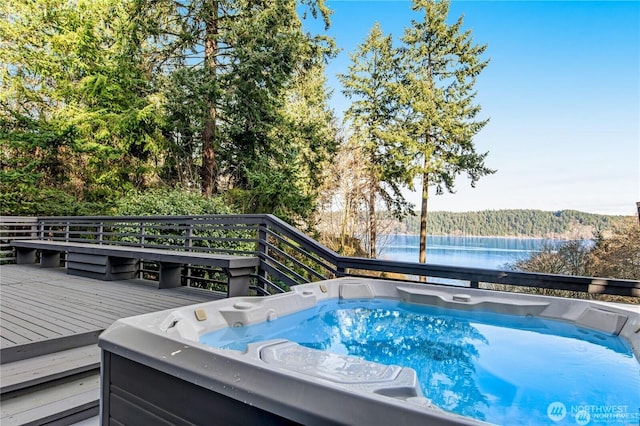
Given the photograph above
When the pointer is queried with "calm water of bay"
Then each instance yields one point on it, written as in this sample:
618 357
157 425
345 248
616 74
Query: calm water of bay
475 252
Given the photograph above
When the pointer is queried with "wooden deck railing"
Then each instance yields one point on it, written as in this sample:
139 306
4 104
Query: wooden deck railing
13 228
287 256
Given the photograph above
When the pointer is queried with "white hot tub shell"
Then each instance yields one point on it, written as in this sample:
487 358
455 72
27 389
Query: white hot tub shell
155 370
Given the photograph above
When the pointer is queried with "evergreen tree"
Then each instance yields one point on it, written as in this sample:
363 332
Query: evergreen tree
440 66
243 56
309 133
77 112
372 83
232 68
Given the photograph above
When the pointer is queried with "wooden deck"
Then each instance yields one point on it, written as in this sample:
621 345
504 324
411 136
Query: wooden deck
49 327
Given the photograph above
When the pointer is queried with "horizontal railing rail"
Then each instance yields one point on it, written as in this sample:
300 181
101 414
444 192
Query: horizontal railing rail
288 257
14 228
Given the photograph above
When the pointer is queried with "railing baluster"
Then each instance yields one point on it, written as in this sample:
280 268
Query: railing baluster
263 250
101 232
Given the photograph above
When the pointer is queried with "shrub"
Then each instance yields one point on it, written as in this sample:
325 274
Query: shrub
618 255
169 202
30 201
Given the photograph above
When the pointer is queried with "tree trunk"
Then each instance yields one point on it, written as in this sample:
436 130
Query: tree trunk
208 171
372 222
425 182
423 217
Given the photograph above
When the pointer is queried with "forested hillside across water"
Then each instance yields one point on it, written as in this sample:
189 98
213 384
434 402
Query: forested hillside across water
568 224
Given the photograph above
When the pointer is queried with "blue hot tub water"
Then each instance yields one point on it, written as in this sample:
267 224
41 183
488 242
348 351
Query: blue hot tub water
499 368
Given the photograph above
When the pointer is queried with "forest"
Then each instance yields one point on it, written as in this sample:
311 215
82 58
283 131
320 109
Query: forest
102 100
564 224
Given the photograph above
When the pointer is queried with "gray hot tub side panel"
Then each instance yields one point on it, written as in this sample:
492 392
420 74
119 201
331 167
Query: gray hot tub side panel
135 394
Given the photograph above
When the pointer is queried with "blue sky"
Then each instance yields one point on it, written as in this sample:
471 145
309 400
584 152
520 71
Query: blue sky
562 92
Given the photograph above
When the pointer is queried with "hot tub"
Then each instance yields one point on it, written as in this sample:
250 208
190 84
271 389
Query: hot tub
157 369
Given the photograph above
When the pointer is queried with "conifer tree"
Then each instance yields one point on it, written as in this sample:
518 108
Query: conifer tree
241 58
372 83
78 118
440 64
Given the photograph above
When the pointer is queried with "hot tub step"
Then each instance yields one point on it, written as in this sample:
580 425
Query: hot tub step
41 369
62 404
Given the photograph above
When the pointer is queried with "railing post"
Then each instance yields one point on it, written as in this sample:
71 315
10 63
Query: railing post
142 244
341 271
263 250
187 237
187 246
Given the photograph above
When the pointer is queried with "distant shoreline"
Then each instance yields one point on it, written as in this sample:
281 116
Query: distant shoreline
561 225
519 237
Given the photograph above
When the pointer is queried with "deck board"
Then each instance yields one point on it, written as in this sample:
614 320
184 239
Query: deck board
60 303
74 297
22 315
41 369
39 305
14 335
75 319
49 404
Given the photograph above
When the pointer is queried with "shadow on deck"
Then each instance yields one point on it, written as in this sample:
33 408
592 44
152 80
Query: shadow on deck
49 327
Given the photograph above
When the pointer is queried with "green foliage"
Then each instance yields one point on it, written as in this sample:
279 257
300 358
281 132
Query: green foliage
373 84
26 200
32 168
184 116
441 65
272 191
75 105
308 136
101 97
178 202
29 159
169 202
238 78
414 113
